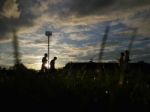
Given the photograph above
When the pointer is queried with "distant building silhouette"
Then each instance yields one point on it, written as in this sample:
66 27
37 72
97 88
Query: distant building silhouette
86 66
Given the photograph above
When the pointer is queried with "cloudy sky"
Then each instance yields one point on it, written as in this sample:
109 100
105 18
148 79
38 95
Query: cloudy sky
78 27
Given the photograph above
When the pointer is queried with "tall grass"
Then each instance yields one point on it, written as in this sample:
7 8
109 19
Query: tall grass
81 90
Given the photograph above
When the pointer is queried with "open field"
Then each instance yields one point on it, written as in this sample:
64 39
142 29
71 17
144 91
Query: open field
69 90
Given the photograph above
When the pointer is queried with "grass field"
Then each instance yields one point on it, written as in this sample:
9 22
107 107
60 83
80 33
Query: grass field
67 90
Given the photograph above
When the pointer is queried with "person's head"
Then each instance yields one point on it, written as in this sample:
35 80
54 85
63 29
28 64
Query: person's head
122 54
55 58
127 52
45 54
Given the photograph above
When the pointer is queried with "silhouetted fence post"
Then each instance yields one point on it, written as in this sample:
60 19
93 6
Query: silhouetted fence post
132 39
102 47
16 49
103 42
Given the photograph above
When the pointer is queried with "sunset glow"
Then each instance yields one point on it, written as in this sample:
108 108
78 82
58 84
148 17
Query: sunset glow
78 27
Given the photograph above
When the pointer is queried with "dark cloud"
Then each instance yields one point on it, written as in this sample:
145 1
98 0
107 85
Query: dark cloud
1 4
142 14
15 14
129 3
83 7
86 7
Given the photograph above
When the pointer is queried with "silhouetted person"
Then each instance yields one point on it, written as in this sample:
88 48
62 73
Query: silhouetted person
121 60
126 59
52 64
44 62
91 61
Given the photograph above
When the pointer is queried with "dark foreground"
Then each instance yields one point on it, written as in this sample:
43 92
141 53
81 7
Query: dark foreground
27 90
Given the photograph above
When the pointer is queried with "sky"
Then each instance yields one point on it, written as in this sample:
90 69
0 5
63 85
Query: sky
78 27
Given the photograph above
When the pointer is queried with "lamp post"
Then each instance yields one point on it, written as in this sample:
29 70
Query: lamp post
48 34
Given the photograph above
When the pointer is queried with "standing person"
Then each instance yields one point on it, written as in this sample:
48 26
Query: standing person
126 59
44 62
121 68
52 64
121 60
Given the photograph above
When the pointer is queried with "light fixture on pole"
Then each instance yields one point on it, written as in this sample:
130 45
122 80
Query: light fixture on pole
48 34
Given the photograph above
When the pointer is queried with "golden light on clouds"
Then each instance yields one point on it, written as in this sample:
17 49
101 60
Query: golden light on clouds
10 9
77 27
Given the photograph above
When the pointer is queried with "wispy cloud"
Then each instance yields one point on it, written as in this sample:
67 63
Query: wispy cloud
77 27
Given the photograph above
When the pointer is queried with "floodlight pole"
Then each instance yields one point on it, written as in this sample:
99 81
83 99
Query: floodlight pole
48 34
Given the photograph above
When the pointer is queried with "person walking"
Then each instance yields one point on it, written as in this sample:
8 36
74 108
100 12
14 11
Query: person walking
126 60
121 60
44 62
52 64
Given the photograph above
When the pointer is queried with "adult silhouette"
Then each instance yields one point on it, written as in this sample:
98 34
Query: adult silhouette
44 62
121 60
52 64
126 59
